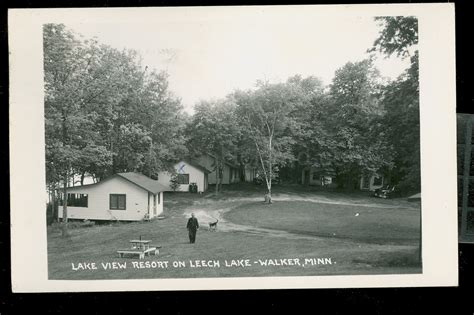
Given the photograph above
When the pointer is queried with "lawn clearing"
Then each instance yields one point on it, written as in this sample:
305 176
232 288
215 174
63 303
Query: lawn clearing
382 239
361 223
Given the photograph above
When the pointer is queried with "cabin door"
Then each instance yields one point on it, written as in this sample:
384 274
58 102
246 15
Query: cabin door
306 177
366 183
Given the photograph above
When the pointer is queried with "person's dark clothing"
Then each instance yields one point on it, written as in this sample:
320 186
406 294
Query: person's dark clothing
192 227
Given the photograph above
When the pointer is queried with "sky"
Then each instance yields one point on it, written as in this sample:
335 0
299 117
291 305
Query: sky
209 54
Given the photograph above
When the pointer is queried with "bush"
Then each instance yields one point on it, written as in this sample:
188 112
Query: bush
174 185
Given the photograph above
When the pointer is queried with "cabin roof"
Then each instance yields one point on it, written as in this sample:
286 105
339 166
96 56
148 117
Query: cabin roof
196 165
138 179
143 181
224 161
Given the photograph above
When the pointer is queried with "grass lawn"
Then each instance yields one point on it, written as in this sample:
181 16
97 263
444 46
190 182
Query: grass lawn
301 224
357 223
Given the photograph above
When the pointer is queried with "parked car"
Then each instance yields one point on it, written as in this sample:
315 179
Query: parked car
388 191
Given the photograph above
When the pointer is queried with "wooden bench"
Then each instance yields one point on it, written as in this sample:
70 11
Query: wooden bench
157 249
141 253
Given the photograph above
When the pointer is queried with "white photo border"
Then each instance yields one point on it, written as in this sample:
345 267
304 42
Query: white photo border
29 261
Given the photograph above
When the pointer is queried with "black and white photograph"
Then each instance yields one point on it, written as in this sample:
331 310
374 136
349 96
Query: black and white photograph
232 143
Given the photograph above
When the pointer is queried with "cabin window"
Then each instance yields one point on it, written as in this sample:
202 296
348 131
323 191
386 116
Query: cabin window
183 179
378 181
75 200
118 202
316 176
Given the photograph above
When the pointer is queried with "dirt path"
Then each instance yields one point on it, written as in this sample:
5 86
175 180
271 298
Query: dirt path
207 212
347 202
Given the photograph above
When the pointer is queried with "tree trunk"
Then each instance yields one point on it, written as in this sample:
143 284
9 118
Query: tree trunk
221 167
217 175
51 202
242 173
268 183
55 204
82 178
349 183
270 171
65 179
64 223
149 157
53 213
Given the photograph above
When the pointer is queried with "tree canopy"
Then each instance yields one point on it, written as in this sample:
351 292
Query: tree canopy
400 100
397 35
105 112
213 130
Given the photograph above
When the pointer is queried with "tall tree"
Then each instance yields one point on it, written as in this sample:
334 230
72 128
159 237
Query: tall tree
312 141
265 113
66 68
167 124
214 129
399 35
104 112
357 143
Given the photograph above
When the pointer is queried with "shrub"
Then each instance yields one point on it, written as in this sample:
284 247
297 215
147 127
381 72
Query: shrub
174 185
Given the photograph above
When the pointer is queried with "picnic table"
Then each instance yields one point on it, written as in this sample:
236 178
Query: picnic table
140 248
140 244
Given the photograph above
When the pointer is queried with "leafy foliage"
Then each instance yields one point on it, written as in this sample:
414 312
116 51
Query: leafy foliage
104 113
398 34
344 136
214 130
174 183
266 114
402 120
400 100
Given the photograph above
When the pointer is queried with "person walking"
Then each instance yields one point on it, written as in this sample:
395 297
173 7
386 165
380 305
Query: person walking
192 226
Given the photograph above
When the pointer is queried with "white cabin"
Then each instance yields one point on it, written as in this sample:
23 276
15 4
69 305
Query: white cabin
123 196
371 183
314 177
250 173
230 172
188 172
